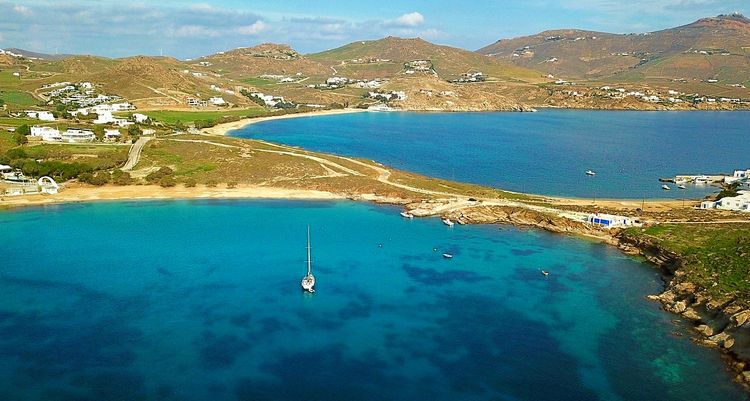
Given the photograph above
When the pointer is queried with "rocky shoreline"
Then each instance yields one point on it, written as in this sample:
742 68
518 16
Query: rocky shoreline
718 323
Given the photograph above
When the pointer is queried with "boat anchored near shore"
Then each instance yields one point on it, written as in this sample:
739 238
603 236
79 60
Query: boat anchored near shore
407 215
308 282
665 187
448 222
590 173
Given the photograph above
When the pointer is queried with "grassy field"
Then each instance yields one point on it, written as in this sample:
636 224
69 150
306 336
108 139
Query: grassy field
8 80
257 81
172 116
15 122
718 253
18 98
6 141
96 156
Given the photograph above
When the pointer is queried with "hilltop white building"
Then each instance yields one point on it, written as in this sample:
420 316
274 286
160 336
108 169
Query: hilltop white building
739 203
217 101
48 134
78 135
140 118
40 115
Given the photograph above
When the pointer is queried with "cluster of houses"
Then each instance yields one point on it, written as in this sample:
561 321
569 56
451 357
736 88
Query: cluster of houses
709 52
387 96
671 96
340 82
268 100
415 66
81 94
214 101
71 135
368 60
470 77
741 202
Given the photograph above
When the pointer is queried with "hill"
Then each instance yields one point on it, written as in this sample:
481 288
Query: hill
711 48
265 59
387 57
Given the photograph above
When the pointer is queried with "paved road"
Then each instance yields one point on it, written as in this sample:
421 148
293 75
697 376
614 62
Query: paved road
135 152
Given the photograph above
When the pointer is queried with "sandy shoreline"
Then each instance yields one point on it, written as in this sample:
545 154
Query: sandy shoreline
223 129
155 192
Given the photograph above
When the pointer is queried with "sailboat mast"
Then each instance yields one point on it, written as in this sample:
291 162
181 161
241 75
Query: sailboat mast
309 262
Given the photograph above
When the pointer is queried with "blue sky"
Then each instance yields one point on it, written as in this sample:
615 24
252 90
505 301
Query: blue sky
192 28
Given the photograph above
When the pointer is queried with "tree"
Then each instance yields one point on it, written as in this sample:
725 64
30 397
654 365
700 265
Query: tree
135 131
23 130
99 132
20 138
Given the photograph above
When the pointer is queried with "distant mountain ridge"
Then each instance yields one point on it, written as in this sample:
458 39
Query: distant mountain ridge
34 55
710 48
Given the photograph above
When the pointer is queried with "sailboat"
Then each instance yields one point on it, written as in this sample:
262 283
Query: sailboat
308 282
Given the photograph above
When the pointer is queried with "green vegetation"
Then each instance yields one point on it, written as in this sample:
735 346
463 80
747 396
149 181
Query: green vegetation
716 255
257 81
172 117
15 122
63 161
17 98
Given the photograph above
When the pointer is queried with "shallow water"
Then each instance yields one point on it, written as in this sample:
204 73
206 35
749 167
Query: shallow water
546 152
197 300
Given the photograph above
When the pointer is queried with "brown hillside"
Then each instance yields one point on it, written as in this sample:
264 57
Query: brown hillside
717 47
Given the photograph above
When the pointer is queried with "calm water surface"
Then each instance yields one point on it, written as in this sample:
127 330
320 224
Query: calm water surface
201 301
546 152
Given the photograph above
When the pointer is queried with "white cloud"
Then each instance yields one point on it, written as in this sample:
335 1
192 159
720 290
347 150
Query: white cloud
192 31
23 10
410 19
253 29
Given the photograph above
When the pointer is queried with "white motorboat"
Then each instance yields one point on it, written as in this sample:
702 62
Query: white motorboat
590 172
681 186
407 215
448 222
448 256
308 282
665 187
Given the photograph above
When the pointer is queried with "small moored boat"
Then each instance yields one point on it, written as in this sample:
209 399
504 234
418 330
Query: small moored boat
448 222
407 215
681 186
590 172
448 256
545 273
308 282
665 187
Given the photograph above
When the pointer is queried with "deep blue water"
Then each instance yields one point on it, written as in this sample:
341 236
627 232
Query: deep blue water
546 152
200 300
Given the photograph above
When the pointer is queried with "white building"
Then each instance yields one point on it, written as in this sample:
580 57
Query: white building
78 135
112 134
740 202
40 115
609 220
217 101
140 118
48 134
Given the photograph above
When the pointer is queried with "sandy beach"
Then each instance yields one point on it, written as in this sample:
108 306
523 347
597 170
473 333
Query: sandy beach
81 193
223 129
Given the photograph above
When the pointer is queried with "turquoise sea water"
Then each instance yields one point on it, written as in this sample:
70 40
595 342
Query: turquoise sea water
200 300
546 152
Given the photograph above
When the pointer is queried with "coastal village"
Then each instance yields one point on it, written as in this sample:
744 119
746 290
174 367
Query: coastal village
86 128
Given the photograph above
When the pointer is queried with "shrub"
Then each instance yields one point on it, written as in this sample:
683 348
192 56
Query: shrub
167 181
20 138
190 183
211 183
159 174
120 177
231 185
